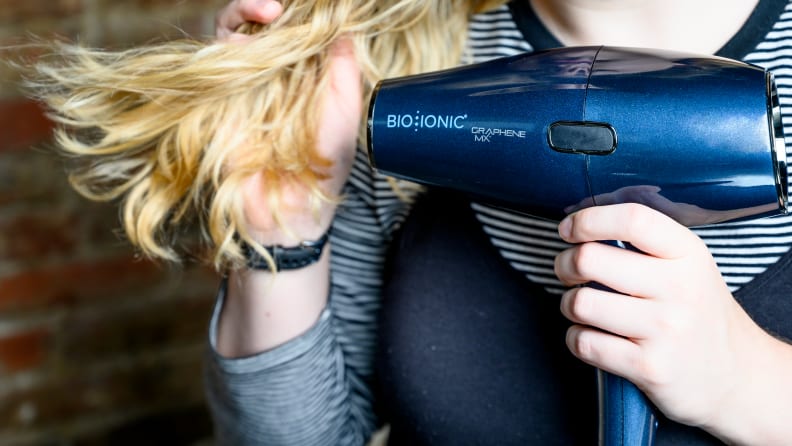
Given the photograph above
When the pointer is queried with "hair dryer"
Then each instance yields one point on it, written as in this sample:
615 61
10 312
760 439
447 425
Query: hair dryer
546 133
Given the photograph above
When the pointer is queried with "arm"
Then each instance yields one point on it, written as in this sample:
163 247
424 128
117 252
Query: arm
285 368
293 300
674 328
315 388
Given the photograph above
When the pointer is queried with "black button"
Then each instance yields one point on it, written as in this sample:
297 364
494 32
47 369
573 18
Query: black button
593 138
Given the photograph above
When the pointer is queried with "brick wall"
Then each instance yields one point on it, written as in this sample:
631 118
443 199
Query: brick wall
96 347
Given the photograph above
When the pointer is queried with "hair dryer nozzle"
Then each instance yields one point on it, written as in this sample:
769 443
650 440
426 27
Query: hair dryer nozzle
778 144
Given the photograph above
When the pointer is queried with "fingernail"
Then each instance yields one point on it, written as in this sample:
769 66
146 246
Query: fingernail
565 228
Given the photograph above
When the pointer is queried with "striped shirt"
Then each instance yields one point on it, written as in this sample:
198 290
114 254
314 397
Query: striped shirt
316 389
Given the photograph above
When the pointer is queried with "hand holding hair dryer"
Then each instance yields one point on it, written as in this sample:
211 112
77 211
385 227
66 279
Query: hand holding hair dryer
547 133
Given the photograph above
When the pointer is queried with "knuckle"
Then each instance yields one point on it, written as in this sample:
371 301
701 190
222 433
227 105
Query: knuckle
638 221
654 371
584 258
581 343
581 304
672 324
584 222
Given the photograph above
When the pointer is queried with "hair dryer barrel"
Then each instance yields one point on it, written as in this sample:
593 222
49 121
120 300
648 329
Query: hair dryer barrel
697 137
482 128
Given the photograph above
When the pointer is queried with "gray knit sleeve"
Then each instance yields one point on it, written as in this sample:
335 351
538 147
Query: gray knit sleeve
316 388
294 394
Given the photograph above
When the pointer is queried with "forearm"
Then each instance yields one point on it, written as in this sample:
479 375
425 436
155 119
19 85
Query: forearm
286 388
758 411
280 384
264 310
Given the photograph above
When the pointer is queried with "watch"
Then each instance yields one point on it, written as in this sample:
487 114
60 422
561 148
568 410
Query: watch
287 258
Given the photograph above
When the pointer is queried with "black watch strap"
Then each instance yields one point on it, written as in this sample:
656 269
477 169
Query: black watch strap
286 258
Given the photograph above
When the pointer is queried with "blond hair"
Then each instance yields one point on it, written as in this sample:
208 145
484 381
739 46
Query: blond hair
155 126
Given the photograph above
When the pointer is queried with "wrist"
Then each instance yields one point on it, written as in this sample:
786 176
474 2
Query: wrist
279 257
754 413
290 240
262 310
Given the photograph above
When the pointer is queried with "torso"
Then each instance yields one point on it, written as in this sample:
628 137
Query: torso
473 353
664 24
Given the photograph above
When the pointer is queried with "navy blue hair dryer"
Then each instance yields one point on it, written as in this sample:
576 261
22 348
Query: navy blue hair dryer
546 133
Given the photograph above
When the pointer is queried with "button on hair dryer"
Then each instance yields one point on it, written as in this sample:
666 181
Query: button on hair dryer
547 133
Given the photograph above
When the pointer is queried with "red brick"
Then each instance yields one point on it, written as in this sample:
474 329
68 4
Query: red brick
69 284
135 329
123 338
202 5
35 235
24 124
15 10
67 225
24 350
33 178
91 390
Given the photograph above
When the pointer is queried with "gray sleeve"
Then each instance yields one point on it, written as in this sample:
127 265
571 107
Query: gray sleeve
316 389
292 395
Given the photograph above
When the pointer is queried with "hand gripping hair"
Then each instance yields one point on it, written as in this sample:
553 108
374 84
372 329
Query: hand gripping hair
157 127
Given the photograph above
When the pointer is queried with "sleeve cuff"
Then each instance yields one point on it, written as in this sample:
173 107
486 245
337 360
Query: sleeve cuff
282 354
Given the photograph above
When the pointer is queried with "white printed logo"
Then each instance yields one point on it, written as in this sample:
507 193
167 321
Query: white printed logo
433 121
483 134
422 121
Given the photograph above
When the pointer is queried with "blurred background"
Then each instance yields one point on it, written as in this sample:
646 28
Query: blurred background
97 347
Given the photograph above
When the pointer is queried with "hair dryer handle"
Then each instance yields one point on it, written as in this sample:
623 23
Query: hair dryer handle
625 414
626 417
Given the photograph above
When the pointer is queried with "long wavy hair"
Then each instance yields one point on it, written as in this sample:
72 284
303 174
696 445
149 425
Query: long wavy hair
155 126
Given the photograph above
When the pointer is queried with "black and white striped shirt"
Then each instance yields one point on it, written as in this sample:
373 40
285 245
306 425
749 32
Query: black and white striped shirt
316 389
